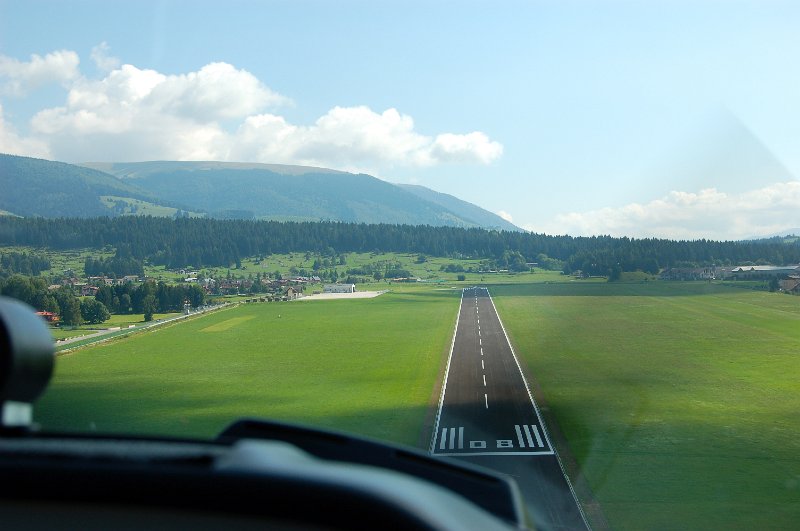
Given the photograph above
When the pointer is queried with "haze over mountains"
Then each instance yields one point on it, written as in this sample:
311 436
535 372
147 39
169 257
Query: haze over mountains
36 187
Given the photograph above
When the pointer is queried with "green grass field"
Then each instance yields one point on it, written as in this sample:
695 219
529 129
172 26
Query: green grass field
368 366
142 208
680 401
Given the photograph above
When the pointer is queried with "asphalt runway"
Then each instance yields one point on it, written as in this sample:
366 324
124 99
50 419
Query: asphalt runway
487 416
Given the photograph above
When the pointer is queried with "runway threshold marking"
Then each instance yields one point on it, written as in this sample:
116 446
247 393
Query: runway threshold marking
455 441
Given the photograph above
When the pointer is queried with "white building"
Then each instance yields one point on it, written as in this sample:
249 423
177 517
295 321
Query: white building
339 288
757 272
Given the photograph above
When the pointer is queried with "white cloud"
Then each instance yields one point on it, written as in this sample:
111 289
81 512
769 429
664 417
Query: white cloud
709 213
218 112
469 148
17 78
130 99
356 138
13 144
141 114
216 91
505 215
102 59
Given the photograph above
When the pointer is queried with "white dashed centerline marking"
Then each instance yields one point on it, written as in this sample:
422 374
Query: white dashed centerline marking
484 380
486 399
482 367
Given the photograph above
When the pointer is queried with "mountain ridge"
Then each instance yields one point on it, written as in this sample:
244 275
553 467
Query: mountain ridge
226 190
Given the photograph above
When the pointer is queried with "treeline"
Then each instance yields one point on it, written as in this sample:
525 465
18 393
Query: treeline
381 269
114 266
22 263
201 242
146 298
62 301
149 297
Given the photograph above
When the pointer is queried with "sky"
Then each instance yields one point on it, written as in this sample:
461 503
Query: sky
674 119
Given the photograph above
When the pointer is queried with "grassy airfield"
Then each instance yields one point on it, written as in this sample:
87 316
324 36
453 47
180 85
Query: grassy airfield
678 401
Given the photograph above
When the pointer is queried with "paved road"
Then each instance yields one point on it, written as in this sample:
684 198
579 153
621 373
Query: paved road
103 334
487 416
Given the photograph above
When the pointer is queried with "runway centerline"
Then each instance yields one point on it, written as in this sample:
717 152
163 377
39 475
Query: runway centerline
510 436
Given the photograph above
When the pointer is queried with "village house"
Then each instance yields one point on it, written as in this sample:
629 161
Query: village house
689 273
292 293
791 285
50 317
89 291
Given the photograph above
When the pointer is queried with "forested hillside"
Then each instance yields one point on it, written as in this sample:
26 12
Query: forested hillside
36 187
209 242
228 190
224 190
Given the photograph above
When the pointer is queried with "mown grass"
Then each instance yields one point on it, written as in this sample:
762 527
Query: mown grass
679 401
367 366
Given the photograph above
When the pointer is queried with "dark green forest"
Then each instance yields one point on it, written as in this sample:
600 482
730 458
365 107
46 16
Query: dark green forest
23 264
200 242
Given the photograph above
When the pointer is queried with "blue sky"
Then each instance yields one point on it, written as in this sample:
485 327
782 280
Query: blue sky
639 118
